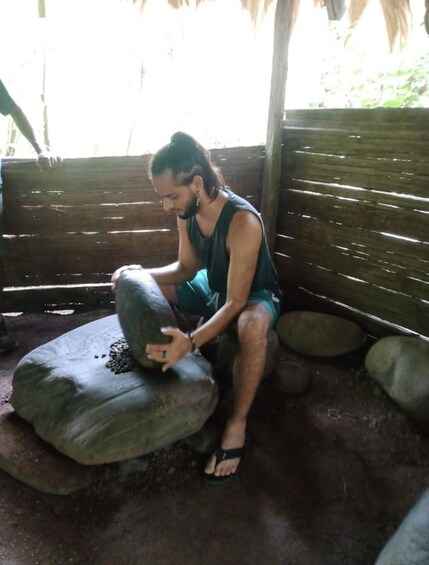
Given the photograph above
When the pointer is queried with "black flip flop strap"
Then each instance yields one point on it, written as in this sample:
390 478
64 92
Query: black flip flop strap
224 454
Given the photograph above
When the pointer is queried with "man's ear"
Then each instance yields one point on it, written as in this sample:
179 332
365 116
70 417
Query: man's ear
198 185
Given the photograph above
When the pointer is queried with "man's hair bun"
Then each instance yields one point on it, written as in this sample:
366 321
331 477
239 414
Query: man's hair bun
182 138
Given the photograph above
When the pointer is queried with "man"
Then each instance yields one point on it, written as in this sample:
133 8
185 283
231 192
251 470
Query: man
45 161
224 273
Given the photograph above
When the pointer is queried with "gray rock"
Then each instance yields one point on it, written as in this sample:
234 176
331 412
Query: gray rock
410 544
400 365
94 416
205 440
142 310
319 335
291 377
28 459
133 466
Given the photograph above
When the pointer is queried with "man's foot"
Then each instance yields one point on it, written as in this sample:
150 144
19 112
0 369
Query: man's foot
6 342
223 464
219 457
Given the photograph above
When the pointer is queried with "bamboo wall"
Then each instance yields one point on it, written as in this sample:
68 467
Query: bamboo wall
67 231
353 221
352 226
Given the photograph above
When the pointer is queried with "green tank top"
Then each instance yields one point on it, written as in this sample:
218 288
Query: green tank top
213 254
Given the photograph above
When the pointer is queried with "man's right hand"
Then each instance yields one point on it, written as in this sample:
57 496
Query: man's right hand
117 274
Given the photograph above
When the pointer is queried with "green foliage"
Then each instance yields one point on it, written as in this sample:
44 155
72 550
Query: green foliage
406 88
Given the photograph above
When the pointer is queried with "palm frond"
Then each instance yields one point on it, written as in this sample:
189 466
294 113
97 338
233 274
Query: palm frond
256 8
176 4
397 18
396 13
356 9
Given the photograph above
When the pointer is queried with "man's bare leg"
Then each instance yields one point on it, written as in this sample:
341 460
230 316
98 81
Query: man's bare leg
252 328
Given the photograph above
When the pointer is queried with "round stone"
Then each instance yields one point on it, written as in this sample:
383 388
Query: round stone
410 543
400 365
291 377
319 335
28 459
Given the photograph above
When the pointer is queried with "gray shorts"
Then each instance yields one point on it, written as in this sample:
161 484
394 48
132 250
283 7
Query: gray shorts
196 297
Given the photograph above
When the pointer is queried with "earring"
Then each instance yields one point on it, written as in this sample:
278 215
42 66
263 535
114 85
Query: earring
197 202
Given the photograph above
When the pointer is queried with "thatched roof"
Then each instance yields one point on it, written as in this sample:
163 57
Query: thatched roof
396 16
396 12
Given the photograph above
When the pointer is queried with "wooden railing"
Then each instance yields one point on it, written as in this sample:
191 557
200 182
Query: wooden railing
67 231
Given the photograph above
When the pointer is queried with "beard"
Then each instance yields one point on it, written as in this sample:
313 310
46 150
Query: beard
192 208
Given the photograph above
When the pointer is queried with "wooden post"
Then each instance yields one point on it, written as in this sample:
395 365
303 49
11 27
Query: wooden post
46 139
273 146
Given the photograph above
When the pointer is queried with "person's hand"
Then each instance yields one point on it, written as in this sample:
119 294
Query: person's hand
169 353
117 274
46 161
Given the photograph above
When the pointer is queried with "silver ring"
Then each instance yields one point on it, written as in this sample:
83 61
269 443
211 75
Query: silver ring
164 353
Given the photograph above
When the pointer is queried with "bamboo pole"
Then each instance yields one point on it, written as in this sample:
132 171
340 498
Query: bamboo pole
272 167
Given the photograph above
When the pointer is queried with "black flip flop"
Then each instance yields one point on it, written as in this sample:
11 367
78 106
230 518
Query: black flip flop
224 455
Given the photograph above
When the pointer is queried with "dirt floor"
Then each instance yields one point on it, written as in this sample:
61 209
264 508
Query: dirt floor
328 478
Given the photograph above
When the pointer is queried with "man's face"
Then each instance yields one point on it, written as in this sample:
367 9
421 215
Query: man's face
176 199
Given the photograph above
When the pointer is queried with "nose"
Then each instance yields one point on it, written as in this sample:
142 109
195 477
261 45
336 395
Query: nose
167 204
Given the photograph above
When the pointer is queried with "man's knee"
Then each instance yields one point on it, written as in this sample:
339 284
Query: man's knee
257 337
253 324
